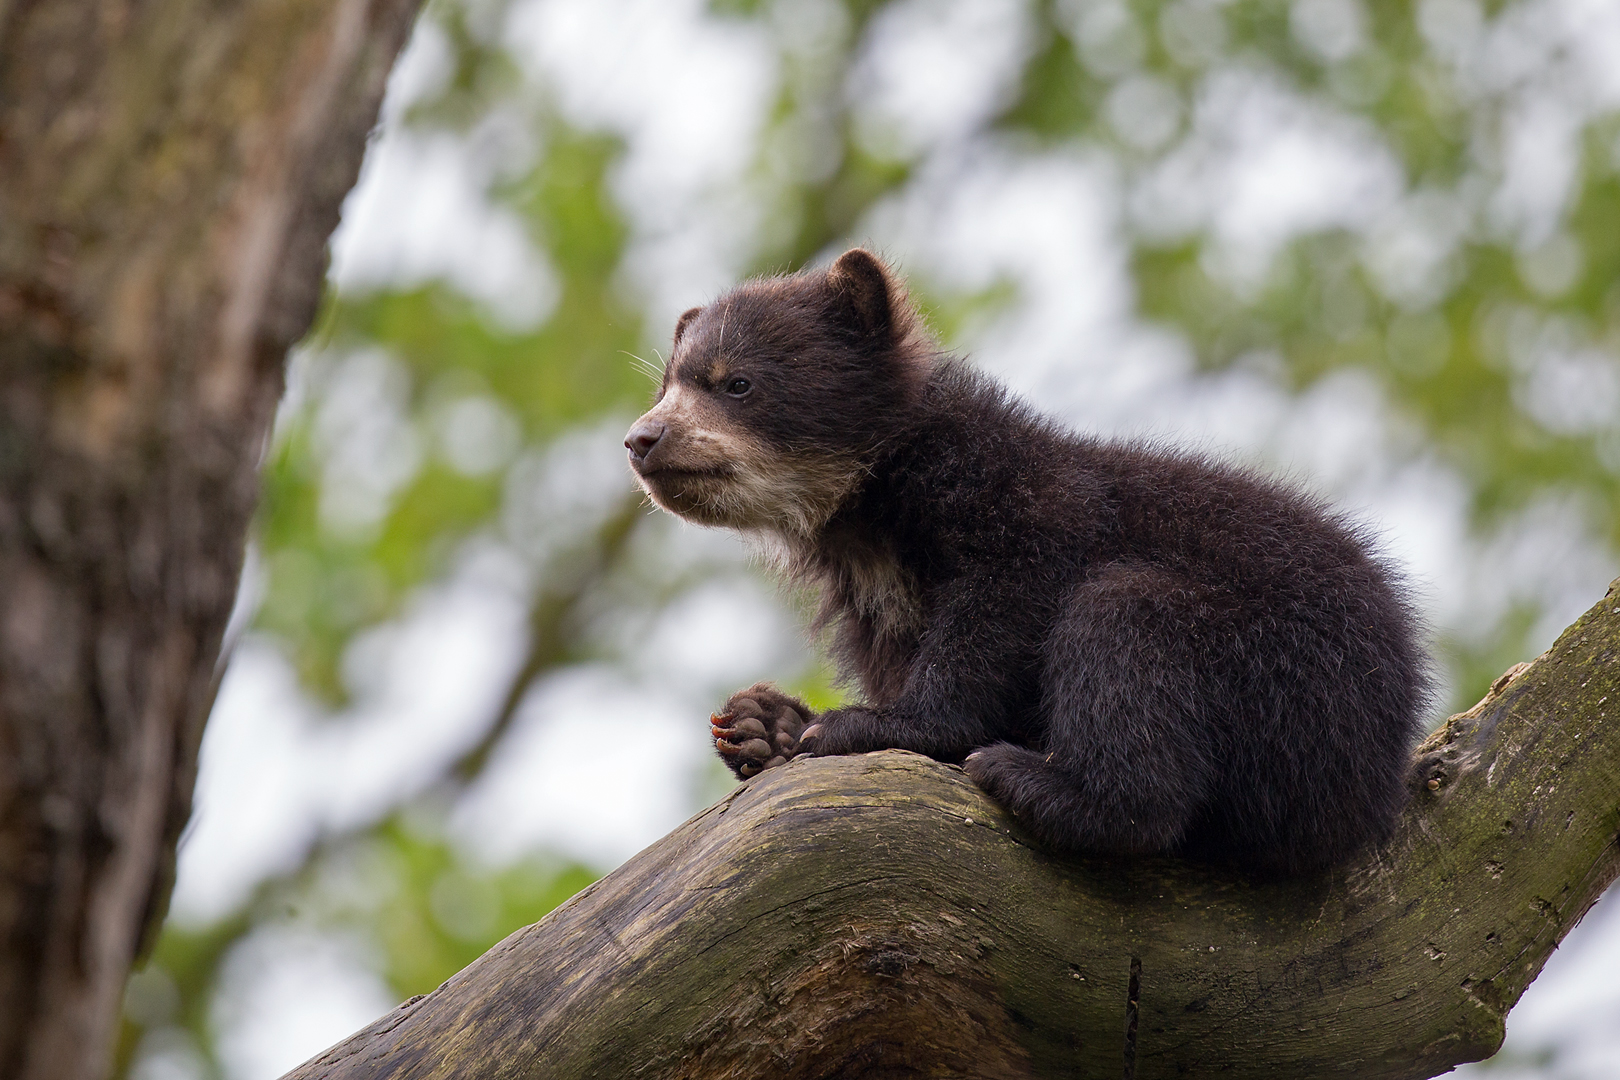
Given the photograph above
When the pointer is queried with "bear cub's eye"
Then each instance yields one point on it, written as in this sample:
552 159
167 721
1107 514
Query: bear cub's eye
738 387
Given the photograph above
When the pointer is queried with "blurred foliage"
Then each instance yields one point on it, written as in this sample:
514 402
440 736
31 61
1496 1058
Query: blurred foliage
407 894
1443 345
325 584
1456 340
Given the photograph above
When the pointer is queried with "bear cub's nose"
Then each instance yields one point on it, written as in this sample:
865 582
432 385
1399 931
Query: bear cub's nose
643 437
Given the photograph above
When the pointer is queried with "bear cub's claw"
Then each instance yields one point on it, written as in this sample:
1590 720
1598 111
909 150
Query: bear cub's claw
758 728
981 768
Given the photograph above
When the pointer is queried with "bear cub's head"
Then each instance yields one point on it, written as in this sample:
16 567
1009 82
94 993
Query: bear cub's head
777 395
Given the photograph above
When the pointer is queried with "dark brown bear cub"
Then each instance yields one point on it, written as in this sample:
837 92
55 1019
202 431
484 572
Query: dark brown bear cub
1133 650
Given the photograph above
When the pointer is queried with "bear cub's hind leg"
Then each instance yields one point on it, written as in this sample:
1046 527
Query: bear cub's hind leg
758 728
1069 811
1126 761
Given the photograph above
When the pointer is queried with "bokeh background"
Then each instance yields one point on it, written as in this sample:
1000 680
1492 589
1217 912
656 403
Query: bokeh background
1374 246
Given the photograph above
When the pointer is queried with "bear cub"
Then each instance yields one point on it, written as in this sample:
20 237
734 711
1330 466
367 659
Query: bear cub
1131 649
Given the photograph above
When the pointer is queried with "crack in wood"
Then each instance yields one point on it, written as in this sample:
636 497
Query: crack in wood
1133 998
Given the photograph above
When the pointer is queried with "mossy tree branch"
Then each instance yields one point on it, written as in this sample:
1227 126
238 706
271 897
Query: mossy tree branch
878 916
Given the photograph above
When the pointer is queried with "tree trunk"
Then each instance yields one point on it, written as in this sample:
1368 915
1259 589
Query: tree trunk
878 916
169 173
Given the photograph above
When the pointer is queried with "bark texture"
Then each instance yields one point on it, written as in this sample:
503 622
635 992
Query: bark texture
169 173
877 916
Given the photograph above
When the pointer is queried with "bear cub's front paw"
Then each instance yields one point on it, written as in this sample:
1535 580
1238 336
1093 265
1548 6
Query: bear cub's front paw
757 728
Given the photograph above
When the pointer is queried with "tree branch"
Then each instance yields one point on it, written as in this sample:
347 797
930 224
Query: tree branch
878 916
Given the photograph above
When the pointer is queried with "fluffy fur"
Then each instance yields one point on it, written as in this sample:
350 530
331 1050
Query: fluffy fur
1132 649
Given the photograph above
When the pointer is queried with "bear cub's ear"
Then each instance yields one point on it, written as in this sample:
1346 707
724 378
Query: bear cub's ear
861 283
684 321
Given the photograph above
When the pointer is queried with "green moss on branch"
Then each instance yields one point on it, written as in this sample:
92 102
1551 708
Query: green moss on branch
877 915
